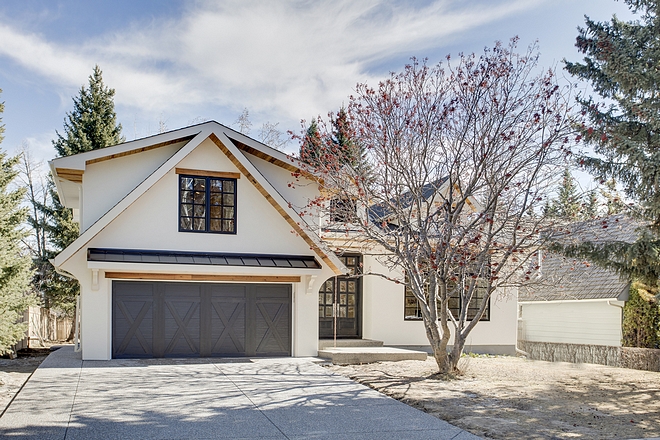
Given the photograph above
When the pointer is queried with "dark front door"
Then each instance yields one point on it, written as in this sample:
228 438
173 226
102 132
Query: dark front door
340 303
159 319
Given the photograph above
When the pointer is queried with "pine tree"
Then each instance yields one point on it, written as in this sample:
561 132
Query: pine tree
623 127
613 200
568 204
93 122
343 139
91 125
15 272
311 146
336 148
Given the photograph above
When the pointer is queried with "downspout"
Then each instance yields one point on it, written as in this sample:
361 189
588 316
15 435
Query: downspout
518 321
609 303
76 317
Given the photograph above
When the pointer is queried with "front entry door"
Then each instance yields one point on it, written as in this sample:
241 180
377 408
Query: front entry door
341 296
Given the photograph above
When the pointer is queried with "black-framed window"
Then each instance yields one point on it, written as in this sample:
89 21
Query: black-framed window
412 311
343 210
207 204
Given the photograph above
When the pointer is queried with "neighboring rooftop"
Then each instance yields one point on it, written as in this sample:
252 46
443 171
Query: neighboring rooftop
574 279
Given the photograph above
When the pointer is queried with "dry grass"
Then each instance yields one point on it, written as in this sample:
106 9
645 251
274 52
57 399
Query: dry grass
507 397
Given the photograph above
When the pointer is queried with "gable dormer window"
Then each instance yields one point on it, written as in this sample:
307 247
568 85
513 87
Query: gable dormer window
207 204
343 210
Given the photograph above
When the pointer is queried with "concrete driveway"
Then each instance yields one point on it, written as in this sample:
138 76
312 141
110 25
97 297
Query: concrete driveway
67 398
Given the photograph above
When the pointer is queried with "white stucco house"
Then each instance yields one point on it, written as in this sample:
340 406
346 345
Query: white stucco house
191 245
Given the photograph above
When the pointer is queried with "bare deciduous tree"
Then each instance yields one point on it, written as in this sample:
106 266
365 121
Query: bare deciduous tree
33 178
457 164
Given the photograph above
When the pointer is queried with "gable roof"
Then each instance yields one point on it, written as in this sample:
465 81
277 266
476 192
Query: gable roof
218 134
573 279
380 211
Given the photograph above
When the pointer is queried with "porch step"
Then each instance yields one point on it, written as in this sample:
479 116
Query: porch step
325 343
365 355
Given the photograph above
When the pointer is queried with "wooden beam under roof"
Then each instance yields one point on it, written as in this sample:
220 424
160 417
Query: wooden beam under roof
70 174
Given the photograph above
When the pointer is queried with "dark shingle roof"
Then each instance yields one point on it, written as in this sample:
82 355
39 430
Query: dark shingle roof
380 212
566 278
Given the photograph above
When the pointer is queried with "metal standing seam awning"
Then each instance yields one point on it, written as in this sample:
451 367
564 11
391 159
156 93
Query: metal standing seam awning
202 258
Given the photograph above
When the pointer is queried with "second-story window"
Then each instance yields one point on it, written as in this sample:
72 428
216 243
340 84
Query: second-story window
343 210
207 204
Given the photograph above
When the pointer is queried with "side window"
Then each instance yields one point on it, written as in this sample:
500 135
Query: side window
207 204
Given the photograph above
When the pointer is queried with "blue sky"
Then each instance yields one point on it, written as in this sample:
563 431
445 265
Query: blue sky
180 62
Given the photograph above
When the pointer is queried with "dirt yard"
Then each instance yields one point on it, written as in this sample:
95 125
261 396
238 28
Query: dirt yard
14 372
508 397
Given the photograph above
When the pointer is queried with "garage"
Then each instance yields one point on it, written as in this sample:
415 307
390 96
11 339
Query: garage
181 319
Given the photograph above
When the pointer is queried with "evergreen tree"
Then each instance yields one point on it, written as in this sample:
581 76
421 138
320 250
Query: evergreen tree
91 125
568 204
93 122
15 272
613 200
623 127
641 318
343 139
311 145
336 148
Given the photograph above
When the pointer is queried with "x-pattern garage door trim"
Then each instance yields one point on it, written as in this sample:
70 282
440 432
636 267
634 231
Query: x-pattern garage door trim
182 326
229 330
271 326
134 323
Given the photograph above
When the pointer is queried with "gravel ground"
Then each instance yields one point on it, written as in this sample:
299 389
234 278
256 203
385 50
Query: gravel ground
14 373
508 397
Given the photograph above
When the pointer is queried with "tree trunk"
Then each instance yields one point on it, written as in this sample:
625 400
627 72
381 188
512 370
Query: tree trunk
456 352
439 342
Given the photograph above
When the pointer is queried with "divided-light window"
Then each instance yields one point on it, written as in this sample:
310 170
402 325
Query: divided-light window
207 204
412 311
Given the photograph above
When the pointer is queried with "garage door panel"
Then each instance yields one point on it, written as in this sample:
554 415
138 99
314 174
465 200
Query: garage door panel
159 319
181 326
133 323
273 317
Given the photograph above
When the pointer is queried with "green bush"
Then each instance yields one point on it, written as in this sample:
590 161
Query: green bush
641 318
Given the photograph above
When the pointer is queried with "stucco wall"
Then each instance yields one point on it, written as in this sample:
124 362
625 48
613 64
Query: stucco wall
106 183
383 312
576 322
152 221
297 191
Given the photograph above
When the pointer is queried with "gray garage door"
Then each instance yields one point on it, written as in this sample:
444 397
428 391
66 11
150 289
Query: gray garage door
160 319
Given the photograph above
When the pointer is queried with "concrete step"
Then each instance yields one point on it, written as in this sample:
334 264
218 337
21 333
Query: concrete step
324 343
365 355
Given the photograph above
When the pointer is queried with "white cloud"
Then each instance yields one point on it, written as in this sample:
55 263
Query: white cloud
284 59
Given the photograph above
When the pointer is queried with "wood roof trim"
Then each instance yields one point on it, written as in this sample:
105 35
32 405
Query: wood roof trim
139 150
296 227
261 155
203 173
70 174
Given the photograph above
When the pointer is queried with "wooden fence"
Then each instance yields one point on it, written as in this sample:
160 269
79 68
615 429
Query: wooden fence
44 325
